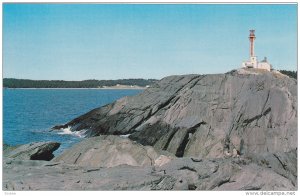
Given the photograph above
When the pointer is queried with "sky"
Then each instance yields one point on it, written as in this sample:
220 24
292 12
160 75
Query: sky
117 41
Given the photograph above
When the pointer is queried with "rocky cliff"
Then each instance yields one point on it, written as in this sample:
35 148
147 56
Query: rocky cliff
206 116
233 131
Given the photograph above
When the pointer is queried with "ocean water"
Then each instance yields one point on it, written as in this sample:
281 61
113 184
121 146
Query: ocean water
29 114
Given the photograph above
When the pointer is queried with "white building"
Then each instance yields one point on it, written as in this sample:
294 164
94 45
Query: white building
253 62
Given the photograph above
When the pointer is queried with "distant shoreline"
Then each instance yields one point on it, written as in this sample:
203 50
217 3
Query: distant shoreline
107 88
85 84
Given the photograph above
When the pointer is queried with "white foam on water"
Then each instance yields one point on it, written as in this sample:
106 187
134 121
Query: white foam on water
125 136
67 131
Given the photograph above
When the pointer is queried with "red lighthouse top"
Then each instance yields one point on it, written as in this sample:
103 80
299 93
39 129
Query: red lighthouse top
251 39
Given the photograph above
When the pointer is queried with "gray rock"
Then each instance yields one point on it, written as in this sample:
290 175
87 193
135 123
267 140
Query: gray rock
284 164
178 174
204 115
7 148
23 176
32 151
234 131
109 151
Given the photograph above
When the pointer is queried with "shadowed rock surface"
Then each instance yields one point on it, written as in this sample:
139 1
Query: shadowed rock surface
32 151
204 115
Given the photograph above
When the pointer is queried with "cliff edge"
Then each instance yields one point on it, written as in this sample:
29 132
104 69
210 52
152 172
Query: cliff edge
207 116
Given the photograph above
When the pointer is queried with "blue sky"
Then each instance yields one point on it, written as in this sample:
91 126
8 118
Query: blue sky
114 41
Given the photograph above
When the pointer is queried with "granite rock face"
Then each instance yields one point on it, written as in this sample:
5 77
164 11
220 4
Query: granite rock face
111 151
208 116
32 151
243 173
234 131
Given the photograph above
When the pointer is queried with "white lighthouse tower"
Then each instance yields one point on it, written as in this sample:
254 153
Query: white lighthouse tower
253 62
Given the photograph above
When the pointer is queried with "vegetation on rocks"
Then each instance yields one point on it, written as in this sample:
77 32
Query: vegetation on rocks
292 74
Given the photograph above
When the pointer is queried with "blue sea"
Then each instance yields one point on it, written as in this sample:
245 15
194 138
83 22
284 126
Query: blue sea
29 114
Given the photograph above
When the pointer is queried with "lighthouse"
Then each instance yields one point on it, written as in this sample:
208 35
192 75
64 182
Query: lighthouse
251 39
253 62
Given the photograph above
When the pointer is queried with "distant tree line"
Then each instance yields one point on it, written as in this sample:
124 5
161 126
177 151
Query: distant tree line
292 74
24 83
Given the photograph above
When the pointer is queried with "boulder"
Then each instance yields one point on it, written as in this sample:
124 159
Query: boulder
32 151
111 151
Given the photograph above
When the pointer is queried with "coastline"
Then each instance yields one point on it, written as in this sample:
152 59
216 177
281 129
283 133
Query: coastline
107 88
